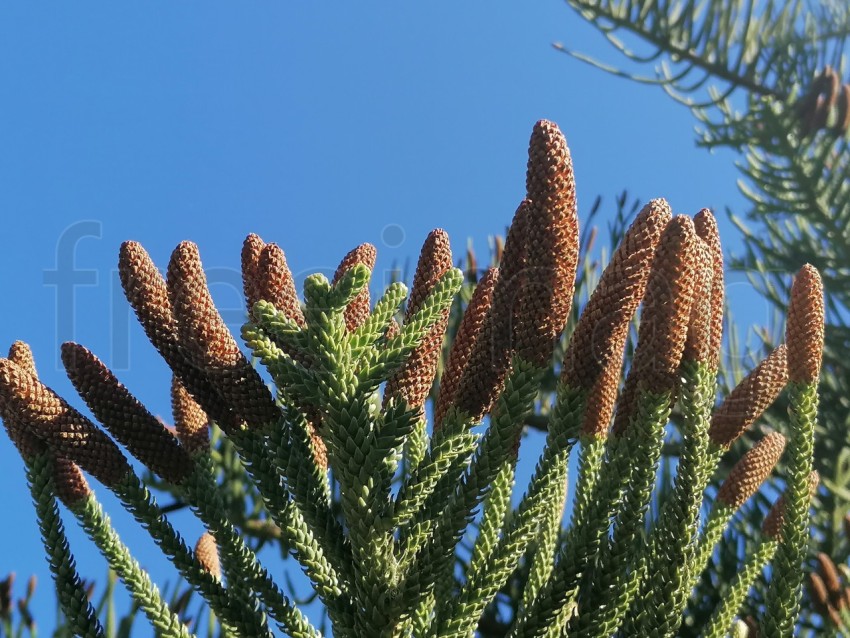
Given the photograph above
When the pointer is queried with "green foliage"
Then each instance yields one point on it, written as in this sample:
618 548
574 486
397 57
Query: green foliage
723 616
99 529
784 594
82 619
752 73
375 506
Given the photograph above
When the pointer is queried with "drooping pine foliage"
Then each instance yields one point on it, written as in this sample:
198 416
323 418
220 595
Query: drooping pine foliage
768 80
375 495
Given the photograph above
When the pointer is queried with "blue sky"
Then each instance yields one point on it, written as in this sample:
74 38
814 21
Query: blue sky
318 126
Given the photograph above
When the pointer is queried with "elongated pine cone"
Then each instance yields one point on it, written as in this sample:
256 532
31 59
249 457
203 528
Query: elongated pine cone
21 353
664 320
470 328
25 400
805 326
594 355
751 471
29 446
265 275
358 310
207 343
821 600
147 293
775 519
484 374
818 594
706 227
552 245
124 415
276 285
826 105
190 420
206 551
71 486
414 379
698 342
829 573
252 247
514 252
749 399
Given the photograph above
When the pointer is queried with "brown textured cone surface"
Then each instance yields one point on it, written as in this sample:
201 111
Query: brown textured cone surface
594 356
507 300
484 375
552 245
206 552
414 379
752 627
829 573
276 284
29 446
706 226
804 329
549 177
515 249
25 400
751 471
435 260
190 420
818 593
203 335
358 310
698 343
393 330
772 525
664 320
147 293
208 344
488 364
251 249
71 485
21 353
320 450
124 416
750 398
471 325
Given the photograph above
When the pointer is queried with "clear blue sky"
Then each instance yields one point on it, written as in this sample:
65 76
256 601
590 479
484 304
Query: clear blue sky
318 126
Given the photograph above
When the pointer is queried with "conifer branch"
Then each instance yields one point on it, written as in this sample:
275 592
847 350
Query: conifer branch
721 620
99 529
374 507
804 336
72 596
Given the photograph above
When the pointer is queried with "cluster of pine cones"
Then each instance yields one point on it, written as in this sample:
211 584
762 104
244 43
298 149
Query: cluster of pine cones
826 106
